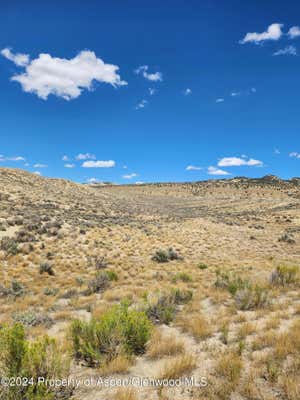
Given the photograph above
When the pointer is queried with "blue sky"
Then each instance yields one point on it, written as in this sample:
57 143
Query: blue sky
127 91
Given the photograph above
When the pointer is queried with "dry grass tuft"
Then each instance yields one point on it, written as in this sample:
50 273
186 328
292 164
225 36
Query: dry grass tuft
118 365
196 325
125 394
161 345
178 367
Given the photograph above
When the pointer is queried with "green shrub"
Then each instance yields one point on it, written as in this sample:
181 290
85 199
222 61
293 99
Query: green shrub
99 283
46 267
231 283
160 256
287 239
181 296
119 331
9 245
163 256
251 297
31 318
112 275
181 276
246 294
40 358
202 266
50 291
161 307
16 289
285 275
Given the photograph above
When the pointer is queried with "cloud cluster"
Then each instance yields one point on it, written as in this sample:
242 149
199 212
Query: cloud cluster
239 161
17 158
288 50
154 77
130 176
273 32
84 156
38 165
294 32
99 164
294 154
216 171
193 168
141 104
65 78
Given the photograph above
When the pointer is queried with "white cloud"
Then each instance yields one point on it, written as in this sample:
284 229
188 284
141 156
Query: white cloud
139 183
193 168
152 91
237 162
65 78
234 94
40 165
141 104
216 171
85 156
21 60
99 164
273 32
220 100
130 176
17 158
65 158
187 92
276 151
294 32
294 154
37 173
69 165
288 50
253 90
154 77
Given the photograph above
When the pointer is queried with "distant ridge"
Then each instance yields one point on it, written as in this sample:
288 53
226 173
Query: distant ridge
267 179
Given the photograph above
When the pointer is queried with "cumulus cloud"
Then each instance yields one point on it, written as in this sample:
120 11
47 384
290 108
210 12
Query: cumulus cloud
21 60
64 78
288 50
294 32
216 171
85 156
237 162
130 176
141 104
152 91
99 164
294 154
273 32
69 165
193 168
65 158
37 173
154 77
